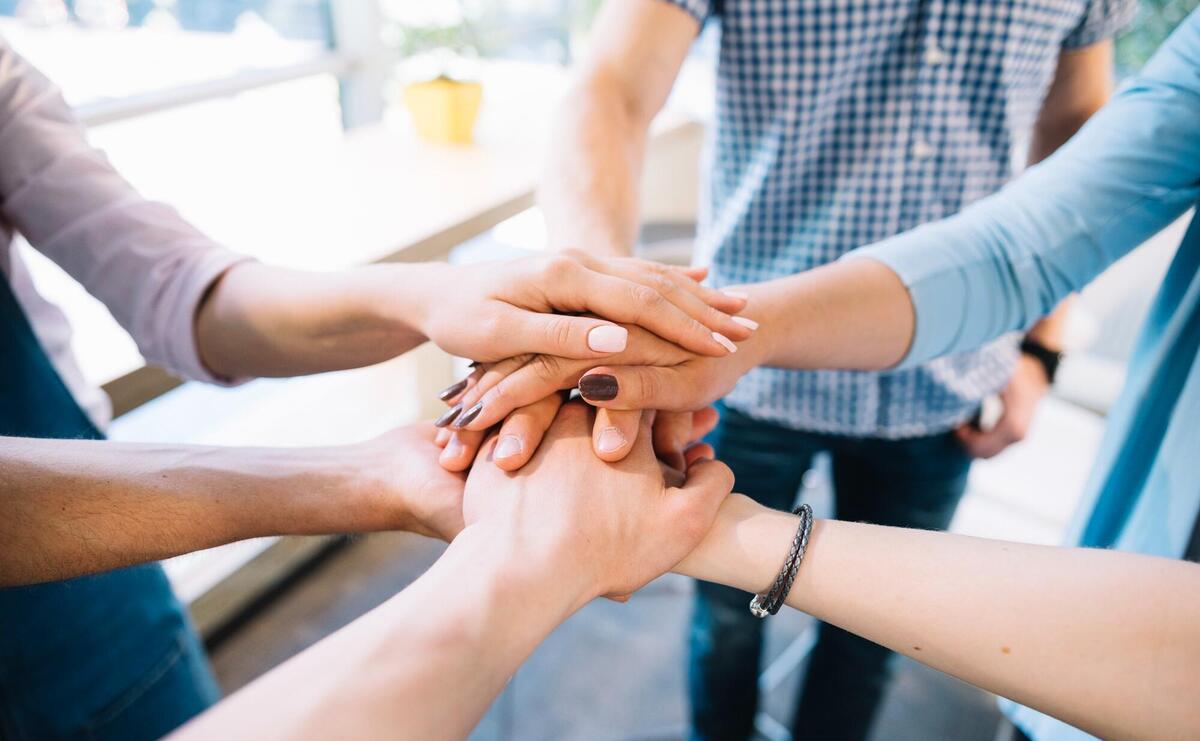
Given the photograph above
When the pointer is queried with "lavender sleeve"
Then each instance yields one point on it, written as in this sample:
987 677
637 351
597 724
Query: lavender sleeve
149 266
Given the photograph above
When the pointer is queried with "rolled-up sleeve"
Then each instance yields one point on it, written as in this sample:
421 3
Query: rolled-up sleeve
140 258
698 9
1006 261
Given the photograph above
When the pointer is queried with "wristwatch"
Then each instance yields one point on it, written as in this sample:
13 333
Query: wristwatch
1049 359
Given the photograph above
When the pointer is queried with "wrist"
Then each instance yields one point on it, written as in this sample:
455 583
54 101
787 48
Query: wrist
407 293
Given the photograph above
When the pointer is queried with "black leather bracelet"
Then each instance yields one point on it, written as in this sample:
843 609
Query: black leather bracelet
770 601
1049 359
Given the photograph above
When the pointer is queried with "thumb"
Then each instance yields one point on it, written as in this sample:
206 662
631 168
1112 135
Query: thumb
636 387
708 483
574 337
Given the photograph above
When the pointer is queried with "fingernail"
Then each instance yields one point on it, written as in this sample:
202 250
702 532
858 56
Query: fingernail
454 448
448 416
611 440
473 364
724 341
468 416
747 323
598 387
608 338
735 293
508 446
454 390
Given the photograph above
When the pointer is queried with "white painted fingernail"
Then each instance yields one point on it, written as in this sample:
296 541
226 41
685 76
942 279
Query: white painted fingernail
724 341
508 446
611 440
747 323
608 338
735 293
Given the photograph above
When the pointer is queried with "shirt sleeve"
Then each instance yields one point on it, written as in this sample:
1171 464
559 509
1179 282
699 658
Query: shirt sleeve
1008 259
140 258
698 9
1101 20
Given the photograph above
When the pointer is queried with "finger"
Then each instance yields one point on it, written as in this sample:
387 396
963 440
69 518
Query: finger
614 433
698 451
522 432
561 335
704 421
689 296
638 387
672 433
981 444
459 453
629 302
541 377
452 393
442 437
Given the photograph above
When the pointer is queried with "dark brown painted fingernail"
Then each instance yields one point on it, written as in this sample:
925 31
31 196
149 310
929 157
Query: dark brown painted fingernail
468 416
448 416
598 387
453 390
474 364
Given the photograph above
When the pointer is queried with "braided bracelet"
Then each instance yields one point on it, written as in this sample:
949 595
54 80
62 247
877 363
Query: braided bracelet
770 601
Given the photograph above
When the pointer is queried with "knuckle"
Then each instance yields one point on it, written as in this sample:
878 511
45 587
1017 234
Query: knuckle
648 386
647 298
558 267
559 332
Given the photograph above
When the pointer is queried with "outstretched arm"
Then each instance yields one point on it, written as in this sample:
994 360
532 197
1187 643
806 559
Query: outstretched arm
1106 641
999 265
73 507
538 546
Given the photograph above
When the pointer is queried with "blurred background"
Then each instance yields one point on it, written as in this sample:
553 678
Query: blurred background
326 133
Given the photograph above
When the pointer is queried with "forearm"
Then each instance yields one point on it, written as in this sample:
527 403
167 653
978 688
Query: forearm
71 507
262 320
851 314
590 189
1106 641
426 664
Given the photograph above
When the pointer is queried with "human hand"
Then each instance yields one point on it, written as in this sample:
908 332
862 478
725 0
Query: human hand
403 487
524 394
615 525
492 311
1025 389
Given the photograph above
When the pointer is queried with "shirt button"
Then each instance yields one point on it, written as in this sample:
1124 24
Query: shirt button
934 55
922 149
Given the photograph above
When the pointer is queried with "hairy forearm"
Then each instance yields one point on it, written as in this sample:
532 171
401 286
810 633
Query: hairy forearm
72 507
1105 641
262 320
426 664
851 314
589 193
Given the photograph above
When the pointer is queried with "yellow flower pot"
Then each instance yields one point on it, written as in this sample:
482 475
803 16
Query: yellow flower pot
444 110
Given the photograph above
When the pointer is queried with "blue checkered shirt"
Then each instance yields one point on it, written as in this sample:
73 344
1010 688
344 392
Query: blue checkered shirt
843 122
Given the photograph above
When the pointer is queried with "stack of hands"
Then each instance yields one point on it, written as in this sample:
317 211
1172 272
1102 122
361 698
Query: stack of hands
646 344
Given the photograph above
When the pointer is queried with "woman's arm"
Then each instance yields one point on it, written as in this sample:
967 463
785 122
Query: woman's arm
1106 641
72 507
997 266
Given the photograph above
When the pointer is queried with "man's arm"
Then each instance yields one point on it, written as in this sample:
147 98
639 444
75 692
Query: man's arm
537 547
1035 624
589 193
1082 85
73 507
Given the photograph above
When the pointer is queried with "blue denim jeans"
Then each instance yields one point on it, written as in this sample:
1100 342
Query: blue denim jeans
915 482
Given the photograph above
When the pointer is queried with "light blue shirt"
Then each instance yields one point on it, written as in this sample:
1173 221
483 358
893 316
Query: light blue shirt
1009 259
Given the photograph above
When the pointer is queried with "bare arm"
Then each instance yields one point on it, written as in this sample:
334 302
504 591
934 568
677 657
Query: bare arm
590 190
538 546
72 507
1103 640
